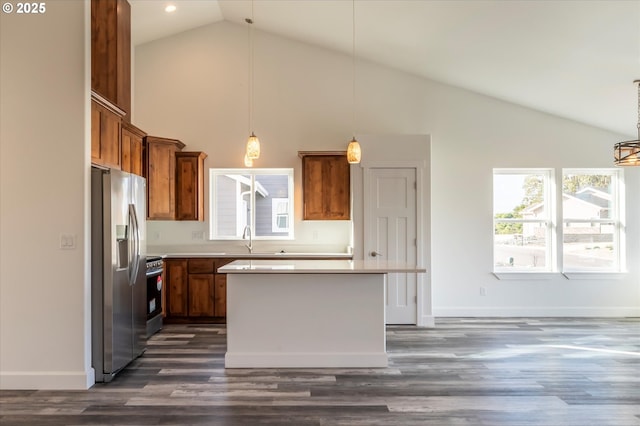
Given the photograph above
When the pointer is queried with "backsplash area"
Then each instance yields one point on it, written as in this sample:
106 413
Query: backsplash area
192 236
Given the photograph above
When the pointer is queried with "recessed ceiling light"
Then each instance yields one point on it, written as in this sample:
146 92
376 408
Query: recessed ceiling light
170 8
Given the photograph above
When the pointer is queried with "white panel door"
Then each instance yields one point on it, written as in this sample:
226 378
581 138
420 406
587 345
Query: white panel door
390 234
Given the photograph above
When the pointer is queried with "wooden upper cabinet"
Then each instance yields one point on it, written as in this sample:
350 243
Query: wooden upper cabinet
106 121
190 185
111 52
325 186
160 171
131 149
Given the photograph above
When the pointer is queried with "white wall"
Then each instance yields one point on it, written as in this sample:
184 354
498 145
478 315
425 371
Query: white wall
44 291
193 87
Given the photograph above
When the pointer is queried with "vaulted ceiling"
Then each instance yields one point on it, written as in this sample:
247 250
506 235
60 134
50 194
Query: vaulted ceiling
575 59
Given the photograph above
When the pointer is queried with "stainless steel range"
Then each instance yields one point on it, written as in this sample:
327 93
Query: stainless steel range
154 295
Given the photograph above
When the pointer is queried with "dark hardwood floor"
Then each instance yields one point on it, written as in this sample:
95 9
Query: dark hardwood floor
551 371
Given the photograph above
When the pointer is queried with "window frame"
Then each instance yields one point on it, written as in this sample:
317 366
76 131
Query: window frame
251 173
549 221
616 216
558 221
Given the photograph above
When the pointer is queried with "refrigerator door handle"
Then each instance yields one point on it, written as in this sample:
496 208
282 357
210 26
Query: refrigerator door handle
133 271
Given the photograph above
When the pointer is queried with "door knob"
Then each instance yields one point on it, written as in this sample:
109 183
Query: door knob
375 254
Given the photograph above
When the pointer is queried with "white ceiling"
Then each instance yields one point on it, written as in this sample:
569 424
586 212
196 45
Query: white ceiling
575 59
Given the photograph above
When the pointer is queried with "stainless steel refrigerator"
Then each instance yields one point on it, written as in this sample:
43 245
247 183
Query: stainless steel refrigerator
118 267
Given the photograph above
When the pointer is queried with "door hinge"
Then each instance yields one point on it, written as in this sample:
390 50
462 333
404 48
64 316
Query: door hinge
415 299
415 242
415 185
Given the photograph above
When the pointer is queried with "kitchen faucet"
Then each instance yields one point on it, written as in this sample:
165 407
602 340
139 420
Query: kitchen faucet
245 233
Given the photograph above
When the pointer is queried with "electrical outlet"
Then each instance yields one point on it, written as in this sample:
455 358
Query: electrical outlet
483 291
197 235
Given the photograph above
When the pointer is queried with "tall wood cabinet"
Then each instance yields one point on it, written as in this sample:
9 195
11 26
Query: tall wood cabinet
111 52
190 185
326 185
160 171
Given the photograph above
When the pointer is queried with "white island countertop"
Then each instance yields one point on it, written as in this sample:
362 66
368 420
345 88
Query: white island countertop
283 266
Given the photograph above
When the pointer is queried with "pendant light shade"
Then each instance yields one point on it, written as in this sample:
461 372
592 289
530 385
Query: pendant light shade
248 162
627 153
253 147
354 153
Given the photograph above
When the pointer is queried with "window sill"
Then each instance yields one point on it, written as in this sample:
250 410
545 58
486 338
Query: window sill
532 276
526 275
594 275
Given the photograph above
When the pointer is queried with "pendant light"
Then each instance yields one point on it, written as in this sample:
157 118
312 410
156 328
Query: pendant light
627 153
353 150
253 143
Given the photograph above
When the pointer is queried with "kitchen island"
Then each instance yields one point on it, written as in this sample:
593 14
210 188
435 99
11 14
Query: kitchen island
307 313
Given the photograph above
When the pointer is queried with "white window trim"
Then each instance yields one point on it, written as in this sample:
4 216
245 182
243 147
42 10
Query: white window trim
549 221
618 220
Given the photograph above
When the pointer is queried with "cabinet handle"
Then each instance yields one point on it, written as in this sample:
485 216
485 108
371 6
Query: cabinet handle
375 254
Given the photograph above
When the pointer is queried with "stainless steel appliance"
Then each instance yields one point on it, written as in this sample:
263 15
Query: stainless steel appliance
118 269
154 295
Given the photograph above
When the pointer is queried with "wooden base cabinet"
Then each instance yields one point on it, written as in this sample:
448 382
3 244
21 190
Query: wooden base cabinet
176 276
220 295
201 288
195 291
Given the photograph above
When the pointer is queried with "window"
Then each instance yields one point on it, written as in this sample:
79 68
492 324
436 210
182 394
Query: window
261 199
523 220
591 231
525 212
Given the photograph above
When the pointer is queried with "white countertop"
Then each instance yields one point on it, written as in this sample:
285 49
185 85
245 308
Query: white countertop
318 266
256 255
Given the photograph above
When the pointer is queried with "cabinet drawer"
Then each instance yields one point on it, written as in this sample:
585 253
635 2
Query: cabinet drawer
202 266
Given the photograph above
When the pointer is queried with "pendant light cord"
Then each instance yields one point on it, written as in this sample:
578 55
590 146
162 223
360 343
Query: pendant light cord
249 22
353 59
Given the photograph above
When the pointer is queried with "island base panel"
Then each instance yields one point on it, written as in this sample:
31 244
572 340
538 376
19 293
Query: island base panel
305 320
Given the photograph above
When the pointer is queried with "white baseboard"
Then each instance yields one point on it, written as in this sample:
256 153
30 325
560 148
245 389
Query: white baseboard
427 321
586 311
47 380
304 360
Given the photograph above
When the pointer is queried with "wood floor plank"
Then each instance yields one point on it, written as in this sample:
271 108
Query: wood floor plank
465 371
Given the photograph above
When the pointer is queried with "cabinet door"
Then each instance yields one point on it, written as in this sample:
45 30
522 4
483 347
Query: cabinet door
176 286
190 185
326 187
201 295
220 295
336 188
111 51
105 136
131 142
160 171
136 156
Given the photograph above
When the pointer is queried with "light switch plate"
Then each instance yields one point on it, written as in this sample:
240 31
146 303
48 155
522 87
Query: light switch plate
67 241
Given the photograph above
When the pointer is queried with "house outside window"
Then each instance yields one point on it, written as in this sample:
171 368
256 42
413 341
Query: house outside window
261 199
592 220
523 224
591 235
